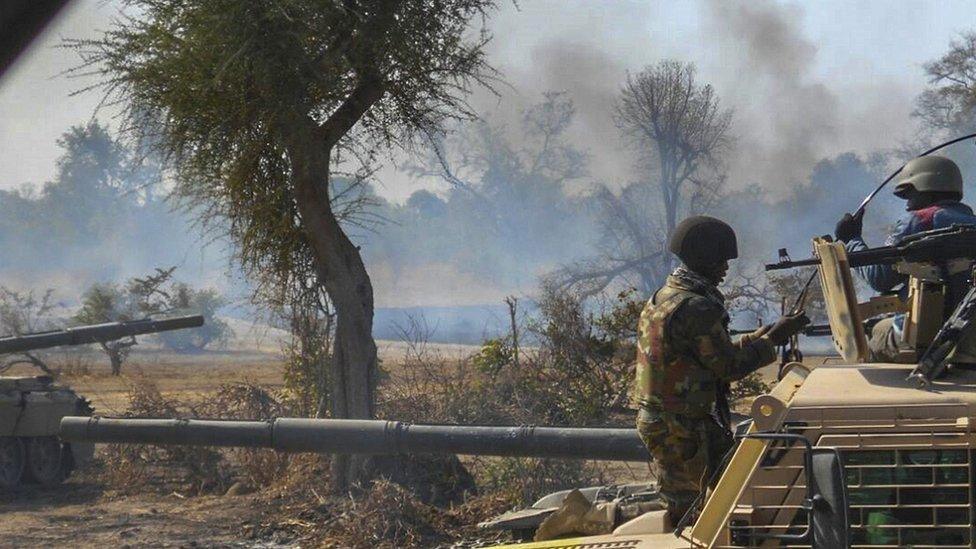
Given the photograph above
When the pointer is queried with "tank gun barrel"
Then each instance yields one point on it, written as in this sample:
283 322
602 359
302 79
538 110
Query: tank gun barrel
955 242
95 333
355 436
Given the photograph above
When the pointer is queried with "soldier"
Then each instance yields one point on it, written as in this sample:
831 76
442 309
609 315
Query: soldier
932 189
685 358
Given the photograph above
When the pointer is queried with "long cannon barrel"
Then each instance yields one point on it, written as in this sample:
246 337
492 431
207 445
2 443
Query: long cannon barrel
354 436
82 335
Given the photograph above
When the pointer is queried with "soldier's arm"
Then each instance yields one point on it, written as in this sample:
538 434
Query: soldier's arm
746 339
700 323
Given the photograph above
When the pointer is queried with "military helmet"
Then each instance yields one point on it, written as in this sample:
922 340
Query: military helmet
702 240
929 174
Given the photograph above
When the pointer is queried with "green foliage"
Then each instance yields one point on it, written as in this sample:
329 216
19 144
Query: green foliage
99 214
157 294
752 385
186 300
308 355
495 354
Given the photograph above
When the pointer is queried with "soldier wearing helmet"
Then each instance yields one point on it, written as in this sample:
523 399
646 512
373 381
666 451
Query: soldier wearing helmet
932 189
685 357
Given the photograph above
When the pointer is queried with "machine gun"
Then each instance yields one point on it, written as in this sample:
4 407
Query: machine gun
811 330
936 246
947 249
95 333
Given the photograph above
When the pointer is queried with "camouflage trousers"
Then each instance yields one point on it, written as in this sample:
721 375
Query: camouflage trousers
686 451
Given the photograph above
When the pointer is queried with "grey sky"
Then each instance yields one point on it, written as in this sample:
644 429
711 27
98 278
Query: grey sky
806 79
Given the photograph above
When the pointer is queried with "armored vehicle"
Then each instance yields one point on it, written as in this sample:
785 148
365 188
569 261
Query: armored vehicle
847 453
31 407
30 410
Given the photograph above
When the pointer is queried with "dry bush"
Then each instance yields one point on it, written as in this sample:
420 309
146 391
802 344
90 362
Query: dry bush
75 365
489 388
522 481
195 470
386 515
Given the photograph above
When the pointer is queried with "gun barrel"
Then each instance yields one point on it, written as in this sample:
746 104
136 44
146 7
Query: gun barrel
95 333
353 436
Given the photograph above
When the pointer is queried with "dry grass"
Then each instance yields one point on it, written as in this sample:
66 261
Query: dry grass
194 470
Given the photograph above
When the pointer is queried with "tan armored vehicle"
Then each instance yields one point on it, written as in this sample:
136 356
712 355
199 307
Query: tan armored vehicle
847 453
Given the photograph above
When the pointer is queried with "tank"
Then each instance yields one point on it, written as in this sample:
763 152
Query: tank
30 451
31 407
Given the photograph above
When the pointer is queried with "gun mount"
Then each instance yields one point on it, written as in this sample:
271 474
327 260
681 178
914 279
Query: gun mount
95 333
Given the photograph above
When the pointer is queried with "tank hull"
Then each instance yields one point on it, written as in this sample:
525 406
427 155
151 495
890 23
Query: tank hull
31 409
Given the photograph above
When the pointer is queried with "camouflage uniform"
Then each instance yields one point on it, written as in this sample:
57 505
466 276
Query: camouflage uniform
684 357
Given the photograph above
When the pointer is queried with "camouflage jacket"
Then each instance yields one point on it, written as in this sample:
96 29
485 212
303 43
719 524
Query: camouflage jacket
684 351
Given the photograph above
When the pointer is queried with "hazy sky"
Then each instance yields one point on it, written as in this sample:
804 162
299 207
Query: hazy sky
805 79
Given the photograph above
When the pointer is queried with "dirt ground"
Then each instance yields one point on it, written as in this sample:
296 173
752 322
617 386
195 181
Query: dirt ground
85 513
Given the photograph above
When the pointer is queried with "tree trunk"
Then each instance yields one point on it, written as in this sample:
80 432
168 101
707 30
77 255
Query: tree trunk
341 271
114 358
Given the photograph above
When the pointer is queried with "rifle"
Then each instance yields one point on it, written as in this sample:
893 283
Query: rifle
811 330
935 246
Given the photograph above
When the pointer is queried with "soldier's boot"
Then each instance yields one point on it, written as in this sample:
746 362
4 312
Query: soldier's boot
578 516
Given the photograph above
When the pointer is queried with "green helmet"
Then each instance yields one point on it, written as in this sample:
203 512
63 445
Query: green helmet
929 174
702 240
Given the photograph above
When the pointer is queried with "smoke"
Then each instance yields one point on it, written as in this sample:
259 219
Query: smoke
789 115
786 119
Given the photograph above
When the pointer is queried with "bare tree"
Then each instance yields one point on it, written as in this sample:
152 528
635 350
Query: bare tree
950 101
22 313
681 135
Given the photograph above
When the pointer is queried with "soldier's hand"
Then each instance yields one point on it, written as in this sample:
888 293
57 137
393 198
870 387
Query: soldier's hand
786 327
849 227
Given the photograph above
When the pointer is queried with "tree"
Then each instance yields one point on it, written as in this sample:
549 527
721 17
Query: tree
181 298
23 313
107 303
139 298
507 196
681 135
257 104
950 101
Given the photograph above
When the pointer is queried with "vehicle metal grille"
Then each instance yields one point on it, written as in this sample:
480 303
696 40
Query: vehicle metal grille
906 490
917 498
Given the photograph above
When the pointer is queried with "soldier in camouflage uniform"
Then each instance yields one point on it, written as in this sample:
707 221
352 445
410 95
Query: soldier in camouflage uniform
685 359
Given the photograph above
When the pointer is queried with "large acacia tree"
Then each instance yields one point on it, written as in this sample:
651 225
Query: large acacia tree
256 104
